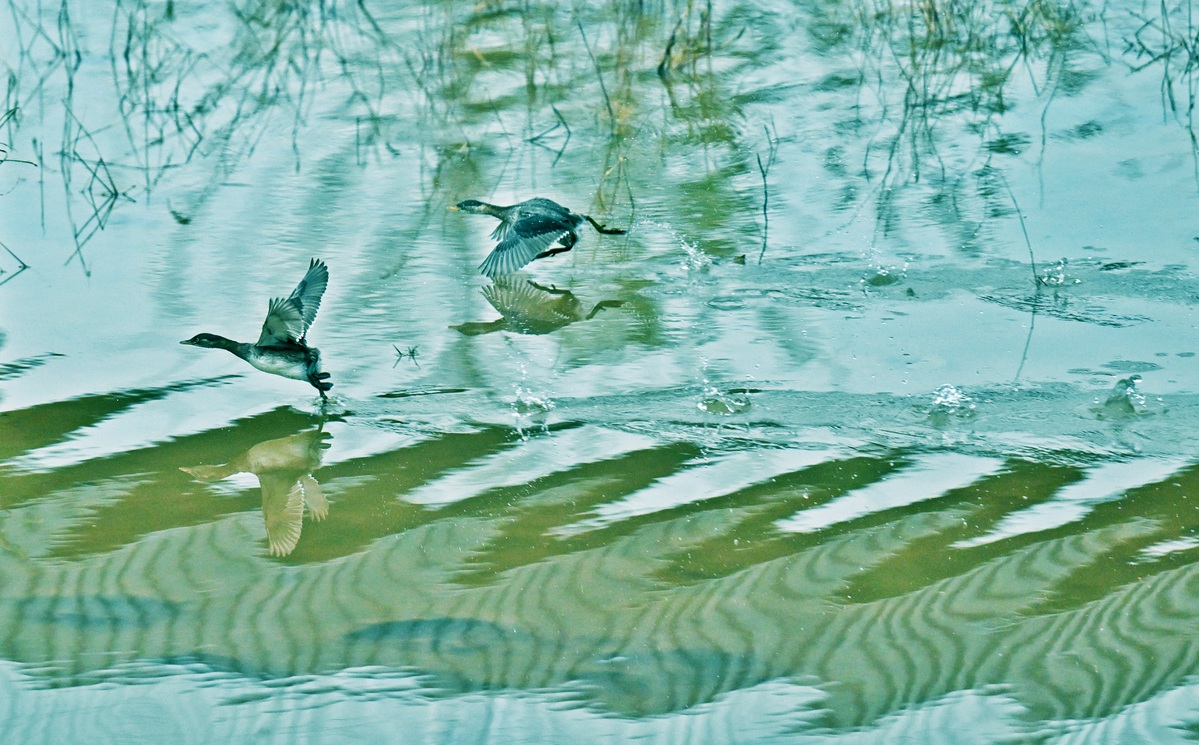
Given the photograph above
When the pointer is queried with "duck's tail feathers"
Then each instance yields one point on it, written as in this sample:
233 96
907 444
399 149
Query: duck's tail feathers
602 229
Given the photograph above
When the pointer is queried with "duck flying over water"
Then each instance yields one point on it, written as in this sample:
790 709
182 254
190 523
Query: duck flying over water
527 230
281 348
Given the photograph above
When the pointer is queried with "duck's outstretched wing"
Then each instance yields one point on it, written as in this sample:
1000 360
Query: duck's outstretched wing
525 241
287 320
501 231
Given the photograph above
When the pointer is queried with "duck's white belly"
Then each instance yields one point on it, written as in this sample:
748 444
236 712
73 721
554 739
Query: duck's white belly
289 366
294 370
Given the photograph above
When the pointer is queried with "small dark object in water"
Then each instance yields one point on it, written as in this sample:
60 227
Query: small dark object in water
527 230
281 348
401 354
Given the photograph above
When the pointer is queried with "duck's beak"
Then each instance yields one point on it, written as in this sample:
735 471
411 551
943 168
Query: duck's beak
187 341
452 208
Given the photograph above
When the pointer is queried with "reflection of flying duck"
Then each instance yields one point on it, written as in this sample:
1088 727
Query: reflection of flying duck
284 470
281 348
527 230
529 308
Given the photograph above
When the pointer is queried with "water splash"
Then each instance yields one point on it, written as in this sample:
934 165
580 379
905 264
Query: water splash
530 411
1055 276
882 276
695 259
950 402
722 403
1124 400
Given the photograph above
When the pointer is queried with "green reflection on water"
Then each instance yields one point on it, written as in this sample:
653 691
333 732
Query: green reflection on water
706 475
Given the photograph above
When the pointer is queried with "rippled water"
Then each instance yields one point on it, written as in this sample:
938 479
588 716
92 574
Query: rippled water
877 426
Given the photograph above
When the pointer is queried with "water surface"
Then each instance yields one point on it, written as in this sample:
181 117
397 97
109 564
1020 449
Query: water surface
876 426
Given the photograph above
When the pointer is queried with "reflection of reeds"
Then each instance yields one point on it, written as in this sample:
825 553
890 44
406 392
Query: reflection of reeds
690 39
599 77
940 72
6 120
1169 37
100 191
21 266
172 96
764 170
177 96
1171 41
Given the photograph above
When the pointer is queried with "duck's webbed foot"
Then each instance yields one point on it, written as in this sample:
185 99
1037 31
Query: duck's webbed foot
320 381
604 228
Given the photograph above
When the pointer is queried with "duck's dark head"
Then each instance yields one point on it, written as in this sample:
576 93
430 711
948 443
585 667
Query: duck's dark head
471 205
210 341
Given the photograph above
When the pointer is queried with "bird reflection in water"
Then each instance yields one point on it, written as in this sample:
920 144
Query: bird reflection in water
284 469
530 308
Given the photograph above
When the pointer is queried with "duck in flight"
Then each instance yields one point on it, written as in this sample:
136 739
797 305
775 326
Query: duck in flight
281 348
527 230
